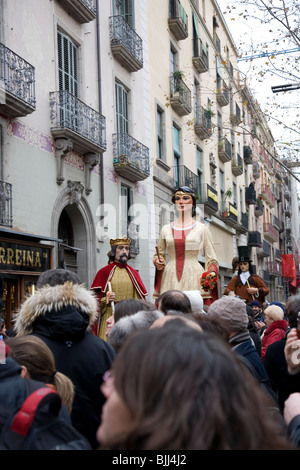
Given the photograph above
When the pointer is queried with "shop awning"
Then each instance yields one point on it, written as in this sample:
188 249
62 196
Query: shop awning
27 236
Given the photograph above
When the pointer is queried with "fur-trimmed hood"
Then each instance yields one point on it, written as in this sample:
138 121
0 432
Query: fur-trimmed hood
55 299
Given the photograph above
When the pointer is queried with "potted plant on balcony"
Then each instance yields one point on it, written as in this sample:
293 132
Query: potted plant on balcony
177 81
225 209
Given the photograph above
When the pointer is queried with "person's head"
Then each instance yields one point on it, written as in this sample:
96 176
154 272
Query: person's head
128 324
279 304
55 277
184 199
233 311
131 306
184 319
256 307
174 299
235 264
119 250
59 294
244 260
195 299
38 363
172 388
213 324
292 310
273 313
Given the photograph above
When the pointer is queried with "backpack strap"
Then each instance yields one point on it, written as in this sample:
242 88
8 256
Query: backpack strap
25 416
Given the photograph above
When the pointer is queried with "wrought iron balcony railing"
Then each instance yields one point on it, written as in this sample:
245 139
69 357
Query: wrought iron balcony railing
17 84
250 195
270 232
224 150
83 11
268 196
222 93
264 250
209 197
247 155
125 44
237 167
131 158
178 20
183 176
180 98
254 239
235 114
200 59
72 118
274 268
203 127
6 204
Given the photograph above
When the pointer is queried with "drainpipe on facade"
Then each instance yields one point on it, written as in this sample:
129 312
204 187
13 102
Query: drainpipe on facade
100 110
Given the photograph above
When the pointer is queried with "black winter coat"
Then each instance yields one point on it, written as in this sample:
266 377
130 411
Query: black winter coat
60 316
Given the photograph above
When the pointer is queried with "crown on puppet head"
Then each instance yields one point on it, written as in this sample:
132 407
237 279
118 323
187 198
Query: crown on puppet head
119 241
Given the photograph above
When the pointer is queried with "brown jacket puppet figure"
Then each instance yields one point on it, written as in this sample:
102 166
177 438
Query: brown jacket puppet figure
247 285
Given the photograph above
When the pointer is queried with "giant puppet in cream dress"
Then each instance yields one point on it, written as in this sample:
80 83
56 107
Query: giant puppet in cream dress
184 240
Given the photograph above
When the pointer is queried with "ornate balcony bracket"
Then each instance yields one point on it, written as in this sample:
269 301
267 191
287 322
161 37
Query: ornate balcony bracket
76 191
90 161
62 147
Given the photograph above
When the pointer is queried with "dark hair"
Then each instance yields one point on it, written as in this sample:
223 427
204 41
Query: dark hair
54 277
292 308
174 299
251 271
213 324
177 384
186 189
131 306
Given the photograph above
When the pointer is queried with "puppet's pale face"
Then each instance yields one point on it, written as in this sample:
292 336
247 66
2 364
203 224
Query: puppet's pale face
244 265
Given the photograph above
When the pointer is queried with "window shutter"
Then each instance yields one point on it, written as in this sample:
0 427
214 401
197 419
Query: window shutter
67 64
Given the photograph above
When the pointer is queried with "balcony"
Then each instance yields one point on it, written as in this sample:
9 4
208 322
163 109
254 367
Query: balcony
259 208
277 255
265 277
209 197
203 127
243 223
270 233
224 150
125 44
264 250
222 94
83 11
247 155
17 84
6 204
275 269
200 61
237 165
73 119
276 222
178 20
254 239
255 170
235 114
183 176
180 98
130 158
230 216
267 195
250 195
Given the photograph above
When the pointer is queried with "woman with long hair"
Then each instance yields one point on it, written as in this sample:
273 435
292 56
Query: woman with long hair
177 388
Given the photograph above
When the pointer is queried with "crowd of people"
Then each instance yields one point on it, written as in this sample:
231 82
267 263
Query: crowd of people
185 371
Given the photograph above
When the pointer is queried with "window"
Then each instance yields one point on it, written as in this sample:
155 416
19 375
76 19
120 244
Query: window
160 133
199 156
129 228
222 189
67 64
121 109
124 8
177 154
234 193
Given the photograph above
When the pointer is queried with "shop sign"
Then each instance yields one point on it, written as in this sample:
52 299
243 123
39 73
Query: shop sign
16 256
